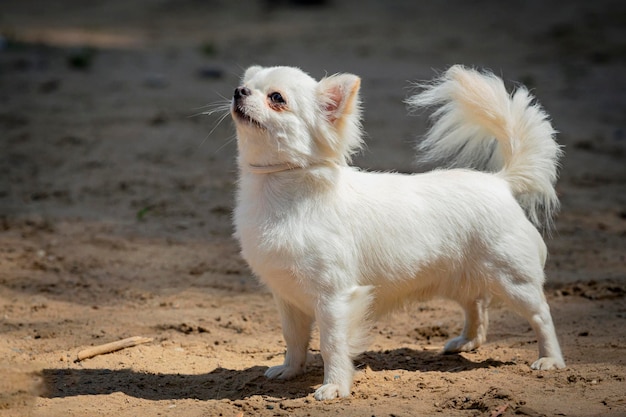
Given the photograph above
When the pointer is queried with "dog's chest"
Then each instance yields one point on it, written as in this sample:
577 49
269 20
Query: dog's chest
279 240
269 241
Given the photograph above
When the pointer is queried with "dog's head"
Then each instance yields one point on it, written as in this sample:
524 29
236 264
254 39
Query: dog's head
283 116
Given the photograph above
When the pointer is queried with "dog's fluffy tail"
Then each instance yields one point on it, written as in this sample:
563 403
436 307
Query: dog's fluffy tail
479 125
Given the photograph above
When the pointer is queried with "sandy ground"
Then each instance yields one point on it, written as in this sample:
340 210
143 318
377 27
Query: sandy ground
115 206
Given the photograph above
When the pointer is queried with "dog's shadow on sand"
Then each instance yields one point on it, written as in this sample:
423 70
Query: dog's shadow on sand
222 383
422 361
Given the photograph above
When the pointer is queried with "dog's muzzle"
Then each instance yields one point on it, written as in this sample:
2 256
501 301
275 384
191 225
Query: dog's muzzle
238 107
241 92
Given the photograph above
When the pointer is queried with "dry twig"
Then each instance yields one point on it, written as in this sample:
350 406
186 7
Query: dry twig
111 347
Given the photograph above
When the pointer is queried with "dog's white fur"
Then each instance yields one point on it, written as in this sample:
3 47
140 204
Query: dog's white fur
341 246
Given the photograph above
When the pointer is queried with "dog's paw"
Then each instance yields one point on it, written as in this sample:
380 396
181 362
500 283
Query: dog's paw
284 372
460 344
547 363
330 392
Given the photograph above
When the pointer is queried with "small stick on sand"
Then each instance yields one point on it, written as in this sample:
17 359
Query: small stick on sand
111 347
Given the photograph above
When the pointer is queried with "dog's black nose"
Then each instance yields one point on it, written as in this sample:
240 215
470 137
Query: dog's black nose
241 92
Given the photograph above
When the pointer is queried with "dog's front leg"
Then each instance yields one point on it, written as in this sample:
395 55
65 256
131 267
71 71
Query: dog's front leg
333 319
344 322
297 332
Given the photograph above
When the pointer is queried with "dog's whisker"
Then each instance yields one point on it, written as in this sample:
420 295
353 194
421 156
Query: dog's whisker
230 140
205 106
207 113
217 124
227 99
216 109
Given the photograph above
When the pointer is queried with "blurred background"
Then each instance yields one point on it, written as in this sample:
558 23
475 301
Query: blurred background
118 174
101 102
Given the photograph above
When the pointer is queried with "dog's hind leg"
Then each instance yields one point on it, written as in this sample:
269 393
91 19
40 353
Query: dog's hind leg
475 329
528 300
297 332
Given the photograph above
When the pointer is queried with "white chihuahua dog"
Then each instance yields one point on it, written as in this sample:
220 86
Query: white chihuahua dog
341 246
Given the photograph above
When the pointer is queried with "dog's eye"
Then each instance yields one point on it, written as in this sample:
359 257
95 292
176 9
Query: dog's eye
277 98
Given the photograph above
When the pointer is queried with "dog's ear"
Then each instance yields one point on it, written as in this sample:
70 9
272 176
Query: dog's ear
250 72
338 100
339 97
